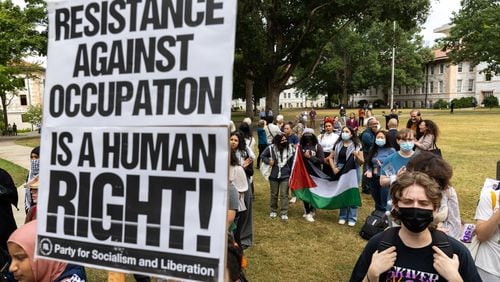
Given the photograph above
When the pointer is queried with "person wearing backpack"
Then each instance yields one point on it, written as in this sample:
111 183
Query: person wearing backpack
488 233
415 251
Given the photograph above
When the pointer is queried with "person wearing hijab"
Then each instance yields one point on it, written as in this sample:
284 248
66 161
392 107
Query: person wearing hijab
25 267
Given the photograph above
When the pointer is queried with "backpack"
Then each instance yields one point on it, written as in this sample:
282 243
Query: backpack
439 239
374 224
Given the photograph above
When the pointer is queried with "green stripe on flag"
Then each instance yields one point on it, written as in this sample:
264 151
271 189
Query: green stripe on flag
350 197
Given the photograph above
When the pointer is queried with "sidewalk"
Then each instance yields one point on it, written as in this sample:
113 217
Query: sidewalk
19 155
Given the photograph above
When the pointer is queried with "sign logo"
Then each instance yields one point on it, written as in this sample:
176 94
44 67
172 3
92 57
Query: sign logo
45 246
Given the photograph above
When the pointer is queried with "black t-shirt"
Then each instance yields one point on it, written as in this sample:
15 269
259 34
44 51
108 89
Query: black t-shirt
414 264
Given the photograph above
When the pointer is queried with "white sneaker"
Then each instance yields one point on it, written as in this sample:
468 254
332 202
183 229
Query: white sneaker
293 200
341 221
351 223
284 217
309 217
273 215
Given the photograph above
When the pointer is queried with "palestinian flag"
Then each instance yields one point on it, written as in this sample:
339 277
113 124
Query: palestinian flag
322 191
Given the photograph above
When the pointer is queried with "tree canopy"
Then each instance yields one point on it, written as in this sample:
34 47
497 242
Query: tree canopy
475 34
21 34
362 57
295 33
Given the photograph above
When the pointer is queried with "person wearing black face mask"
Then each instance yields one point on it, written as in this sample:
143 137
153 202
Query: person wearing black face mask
413 255
280 157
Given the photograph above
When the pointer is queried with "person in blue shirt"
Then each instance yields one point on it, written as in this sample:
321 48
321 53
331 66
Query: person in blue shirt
396 163
290 135
377 155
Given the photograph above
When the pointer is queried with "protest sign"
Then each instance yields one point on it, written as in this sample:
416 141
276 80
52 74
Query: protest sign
144 200
134 151
139 63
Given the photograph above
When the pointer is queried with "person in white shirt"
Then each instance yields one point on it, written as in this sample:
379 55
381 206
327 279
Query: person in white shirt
327 141
488 233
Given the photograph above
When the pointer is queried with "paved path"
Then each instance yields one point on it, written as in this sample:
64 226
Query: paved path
19 155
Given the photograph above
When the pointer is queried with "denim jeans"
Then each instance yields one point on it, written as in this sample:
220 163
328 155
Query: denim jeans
349 214
279 188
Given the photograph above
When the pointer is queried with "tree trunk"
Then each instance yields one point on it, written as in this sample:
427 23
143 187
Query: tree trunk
272 97
249 97
328 102
4 110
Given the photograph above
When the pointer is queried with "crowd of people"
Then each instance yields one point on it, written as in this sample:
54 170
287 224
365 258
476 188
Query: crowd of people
399 168
407 179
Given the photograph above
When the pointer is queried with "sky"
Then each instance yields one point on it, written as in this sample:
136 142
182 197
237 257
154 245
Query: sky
440 14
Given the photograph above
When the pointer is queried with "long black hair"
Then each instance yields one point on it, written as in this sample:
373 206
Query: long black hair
354 138
374 149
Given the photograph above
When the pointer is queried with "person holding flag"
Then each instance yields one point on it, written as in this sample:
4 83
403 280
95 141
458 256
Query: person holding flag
322 191
279 155
313 156
348 147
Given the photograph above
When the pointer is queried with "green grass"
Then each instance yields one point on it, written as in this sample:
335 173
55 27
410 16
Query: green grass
325 251
29 142
17 173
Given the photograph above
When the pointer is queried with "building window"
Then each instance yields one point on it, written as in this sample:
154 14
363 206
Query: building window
459 86
459 67
296 95
471 67
432 69
487 93
441 86
471 85
487 76
24 100
441 68
431 87
423 88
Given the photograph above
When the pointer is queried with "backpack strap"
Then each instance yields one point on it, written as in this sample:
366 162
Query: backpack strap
440 240
388 238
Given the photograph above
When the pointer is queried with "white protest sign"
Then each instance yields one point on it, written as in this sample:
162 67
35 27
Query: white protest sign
134 182
151 62
150 200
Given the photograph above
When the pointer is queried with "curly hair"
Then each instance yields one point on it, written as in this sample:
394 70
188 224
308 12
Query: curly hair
408 179
432 128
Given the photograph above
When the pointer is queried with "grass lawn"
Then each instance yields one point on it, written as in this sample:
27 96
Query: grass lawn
325 251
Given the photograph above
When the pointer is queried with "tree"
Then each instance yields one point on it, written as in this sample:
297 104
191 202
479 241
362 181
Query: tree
34 114
19 37
475 34
362 58
295 33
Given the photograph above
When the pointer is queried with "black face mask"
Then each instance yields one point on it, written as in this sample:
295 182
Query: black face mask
415 219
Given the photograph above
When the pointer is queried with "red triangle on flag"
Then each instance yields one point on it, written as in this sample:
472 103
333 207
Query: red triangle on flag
300 178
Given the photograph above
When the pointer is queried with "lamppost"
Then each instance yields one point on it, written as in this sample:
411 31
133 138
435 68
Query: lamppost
392 68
